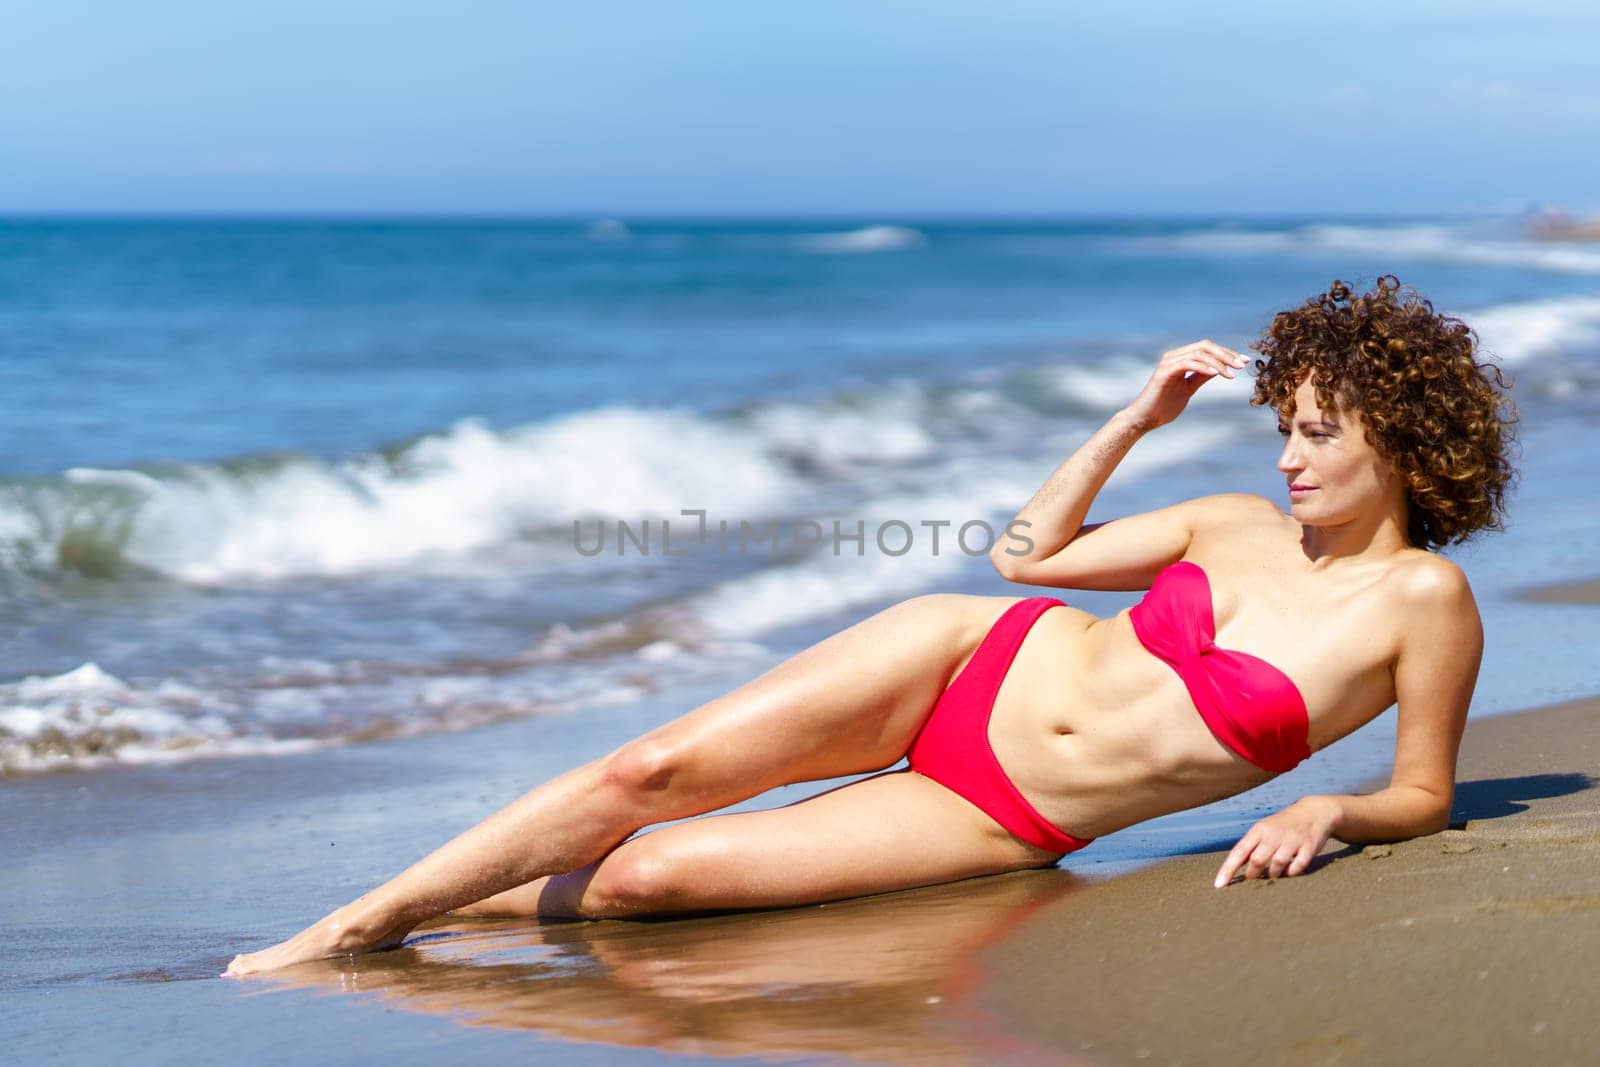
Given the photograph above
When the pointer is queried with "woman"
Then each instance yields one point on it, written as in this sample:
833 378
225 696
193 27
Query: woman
1033 727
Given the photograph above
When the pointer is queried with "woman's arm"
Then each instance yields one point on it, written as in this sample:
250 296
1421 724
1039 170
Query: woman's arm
1434 674
1434 677
1062 552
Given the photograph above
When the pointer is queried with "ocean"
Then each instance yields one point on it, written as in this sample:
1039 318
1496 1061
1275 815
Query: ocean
274 485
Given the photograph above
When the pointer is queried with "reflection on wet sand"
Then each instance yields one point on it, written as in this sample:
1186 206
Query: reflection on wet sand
882 980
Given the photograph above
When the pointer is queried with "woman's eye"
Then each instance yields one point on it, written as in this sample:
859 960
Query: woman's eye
1283 431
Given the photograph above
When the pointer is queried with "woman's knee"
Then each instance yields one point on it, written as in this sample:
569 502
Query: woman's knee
942 623
636 880
646 770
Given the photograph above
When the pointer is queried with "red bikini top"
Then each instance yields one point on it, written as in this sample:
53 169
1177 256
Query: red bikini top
1250 705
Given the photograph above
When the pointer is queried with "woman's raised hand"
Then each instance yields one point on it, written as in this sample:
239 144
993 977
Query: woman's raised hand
1180 373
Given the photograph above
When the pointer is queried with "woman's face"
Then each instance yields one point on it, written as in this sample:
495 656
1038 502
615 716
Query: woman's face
1335 475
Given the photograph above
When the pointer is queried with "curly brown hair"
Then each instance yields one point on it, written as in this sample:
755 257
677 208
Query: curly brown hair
1430 405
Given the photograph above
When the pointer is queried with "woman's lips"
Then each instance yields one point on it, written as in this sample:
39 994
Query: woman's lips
1298 491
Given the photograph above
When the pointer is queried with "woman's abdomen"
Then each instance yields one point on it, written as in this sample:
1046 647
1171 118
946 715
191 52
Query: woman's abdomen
1098 734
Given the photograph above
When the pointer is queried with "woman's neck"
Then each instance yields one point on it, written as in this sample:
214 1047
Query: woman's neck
1381 532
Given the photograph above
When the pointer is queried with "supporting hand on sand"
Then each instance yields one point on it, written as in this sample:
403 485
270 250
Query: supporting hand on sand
1283 843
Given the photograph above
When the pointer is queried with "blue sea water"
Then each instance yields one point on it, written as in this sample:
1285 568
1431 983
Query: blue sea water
280 484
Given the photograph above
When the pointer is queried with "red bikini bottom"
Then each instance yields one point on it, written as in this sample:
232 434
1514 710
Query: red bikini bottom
953 747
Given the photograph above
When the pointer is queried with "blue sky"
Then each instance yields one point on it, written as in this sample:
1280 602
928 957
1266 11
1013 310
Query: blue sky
885 108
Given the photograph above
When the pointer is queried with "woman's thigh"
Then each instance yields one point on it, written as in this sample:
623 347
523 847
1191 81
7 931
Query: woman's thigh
891 831
848 704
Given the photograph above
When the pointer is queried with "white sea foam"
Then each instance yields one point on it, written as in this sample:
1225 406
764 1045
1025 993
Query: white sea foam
457 492
1385 244
449 493
865 239
1516 333
87 718
89 715
122 479
888 426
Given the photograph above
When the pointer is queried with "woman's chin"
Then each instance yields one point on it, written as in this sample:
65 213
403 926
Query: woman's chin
1307 513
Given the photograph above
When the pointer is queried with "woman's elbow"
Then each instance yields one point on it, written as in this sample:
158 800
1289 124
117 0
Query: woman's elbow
1008 566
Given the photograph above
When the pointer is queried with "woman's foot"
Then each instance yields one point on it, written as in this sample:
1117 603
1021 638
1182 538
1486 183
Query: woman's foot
340 934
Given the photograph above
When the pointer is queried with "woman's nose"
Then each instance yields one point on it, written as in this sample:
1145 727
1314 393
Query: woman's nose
1289 458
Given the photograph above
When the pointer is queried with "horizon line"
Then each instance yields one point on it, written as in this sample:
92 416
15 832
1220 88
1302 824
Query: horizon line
647 217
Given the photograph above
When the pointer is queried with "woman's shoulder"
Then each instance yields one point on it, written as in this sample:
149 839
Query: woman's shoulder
1229 509
1427 580
1429 603
1230 522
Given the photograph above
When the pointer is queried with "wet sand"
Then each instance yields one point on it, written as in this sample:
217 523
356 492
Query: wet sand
881 980
1584 592
127 891
1475 945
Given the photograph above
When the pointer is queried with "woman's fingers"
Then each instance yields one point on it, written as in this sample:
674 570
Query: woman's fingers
1226 354
1191 365
1223 358
1219 356
1246 845
1261 859
1282 858
1211 349
1259 856
1205 358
